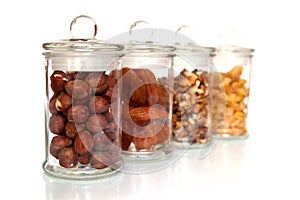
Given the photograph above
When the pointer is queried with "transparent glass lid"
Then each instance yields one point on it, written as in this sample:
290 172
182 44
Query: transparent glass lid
82 41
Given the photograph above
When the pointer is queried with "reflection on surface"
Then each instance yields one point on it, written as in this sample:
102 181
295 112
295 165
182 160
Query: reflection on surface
59 189
223 170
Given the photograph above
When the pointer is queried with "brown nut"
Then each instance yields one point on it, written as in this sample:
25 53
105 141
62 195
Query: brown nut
78 90
126 140
68 157
112 127
96 123
73 129
101 142
85 159
96 161
112 137
58 80
161 136
52 108
63 102
235 73
83 143
99 104
78 113
109 115
97 81
142 143
147 113
58 143
57 124
103 159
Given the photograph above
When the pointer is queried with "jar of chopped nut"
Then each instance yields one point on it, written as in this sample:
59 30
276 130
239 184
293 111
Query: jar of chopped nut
191 101
234 65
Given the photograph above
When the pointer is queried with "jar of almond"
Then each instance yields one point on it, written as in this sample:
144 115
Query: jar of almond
82 134
234 64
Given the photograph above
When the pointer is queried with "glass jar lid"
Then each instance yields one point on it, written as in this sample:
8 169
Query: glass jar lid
81 44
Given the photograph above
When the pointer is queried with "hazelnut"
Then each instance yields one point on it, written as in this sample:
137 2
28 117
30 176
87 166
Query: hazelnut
58 81
57 124
96 123
73 129
52 108
83 143
78 89
85 159
98 104
58 143
97 81
101 142
63 102
109 115
111 136
112 127
96 163
68 157
103 159
78 113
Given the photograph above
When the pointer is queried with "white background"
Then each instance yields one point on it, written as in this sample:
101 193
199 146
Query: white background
264 166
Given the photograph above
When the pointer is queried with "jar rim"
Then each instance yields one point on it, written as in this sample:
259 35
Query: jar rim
83 45
148 47
193 48
234 49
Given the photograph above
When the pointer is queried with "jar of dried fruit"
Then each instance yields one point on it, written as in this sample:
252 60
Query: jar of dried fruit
146 104
82 134
234 65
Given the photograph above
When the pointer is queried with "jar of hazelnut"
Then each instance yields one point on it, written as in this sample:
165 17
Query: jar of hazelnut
234 64
82 105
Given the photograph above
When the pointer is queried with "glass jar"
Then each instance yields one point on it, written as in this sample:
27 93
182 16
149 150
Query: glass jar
234 65
82 134
146 104
192 100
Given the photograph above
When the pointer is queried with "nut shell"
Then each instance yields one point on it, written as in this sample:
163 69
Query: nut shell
96 123
98 104
68 158
78 89
58 80
58 143
57 124
83 143
78 113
